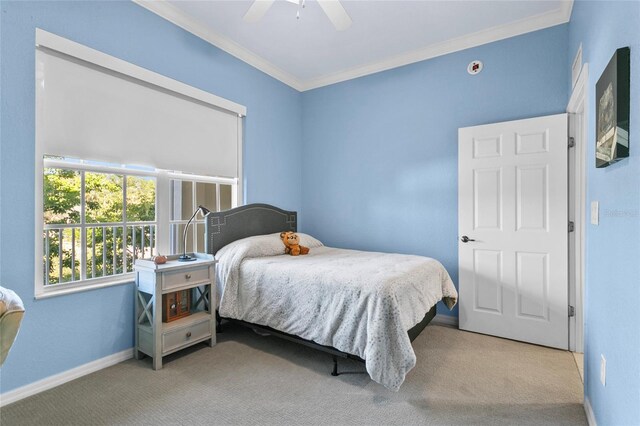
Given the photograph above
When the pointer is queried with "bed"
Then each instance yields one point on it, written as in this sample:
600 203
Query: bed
352 304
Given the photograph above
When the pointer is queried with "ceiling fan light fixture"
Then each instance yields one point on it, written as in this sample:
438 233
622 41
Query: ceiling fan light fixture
332 8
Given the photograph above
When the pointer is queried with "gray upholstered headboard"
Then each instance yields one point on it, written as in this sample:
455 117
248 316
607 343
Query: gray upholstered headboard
228 226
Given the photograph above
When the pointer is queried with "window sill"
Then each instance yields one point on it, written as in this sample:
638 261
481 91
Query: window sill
86 285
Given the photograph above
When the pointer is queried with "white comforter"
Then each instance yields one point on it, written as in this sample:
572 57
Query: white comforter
359 302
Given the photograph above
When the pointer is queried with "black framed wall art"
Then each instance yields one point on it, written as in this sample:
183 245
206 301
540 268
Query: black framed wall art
612 110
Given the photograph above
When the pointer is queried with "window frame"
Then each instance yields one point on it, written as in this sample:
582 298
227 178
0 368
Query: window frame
46 40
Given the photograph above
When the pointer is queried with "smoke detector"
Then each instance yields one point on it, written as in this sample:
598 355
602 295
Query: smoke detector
474 67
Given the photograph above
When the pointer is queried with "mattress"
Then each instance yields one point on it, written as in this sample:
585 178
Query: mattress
358 302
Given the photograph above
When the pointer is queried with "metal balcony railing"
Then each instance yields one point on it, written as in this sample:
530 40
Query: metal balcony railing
75 252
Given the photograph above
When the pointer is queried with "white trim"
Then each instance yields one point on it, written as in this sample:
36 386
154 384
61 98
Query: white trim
100 168
576 66
489 35
202 178
591 416
64 377
576 96
445 320
237 197
51 41
163 215
176 16
45 292
578 104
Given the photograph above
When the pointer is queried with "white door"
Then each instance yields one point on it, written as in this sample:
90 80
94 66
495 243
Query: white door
513 225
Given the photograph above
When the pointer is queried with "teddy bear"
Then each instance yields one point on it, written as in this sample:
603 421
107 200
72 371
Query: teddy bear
292 245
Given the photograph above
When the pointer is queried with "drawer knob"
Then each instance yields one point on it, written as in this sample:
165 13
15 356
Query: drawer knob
188 334
188 276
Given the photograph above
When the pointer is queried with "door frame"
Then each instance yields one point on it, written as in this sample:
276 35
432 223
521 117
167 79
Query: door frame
578 128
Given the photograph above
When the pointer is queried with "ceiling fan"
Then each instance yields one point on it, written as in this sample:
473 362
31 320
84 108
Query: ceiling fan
332 8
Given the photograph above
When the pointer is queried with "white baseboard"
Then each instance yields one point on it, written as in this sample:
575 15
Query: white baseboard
64 377
445 320
591 417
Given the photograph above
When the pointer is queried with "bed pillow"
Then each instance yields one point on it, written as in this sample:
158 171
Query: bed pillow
307 240
265 245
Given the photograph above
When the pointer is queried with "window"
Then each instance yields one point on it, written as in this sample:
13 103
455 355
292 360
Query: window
99 217
186 196
97 220
94 218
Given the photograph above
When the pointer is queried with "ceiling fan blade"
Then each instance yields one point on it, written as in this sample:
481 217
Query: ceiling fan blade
257 10
336 14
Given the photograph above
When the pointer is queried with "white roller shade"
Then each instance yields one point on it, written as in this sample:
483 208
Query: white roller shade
90 111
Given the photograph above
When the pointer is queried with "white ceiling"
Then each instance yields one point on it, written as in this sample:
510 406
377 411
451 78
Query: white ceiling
308 52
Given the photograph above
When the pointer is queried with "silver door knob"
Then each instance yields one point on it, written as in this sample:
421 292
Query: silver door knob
466 239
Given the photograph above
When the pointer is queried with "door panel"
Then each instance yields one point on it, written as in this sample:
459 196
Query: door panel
487 199
512 191
488 147
532 143
531 285
488 271
531 198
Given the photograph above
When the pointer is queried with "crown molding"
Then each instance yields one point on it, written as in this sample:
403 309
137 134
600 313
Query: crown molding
489 35
175 16
549 19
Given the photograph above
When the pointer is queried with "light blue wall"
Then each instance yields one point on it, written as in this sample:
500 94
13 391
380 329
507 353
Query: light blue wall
380 153
65 332
379 156
613 247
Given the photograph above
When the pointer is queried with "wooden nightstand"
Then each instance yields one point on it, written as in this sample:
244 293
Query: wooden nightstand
156 338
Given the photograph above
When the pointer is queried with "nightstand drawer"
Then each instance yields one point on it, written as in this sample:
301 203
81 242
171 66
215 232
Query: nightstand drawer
171 280
184 336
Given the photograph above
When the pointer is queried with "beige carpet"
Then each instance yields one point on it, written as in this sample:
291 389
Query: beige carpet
460 378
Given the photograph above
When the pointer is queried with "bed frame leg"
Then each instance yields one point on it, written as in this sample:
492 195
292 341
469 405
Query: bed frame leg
335 366
218 323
